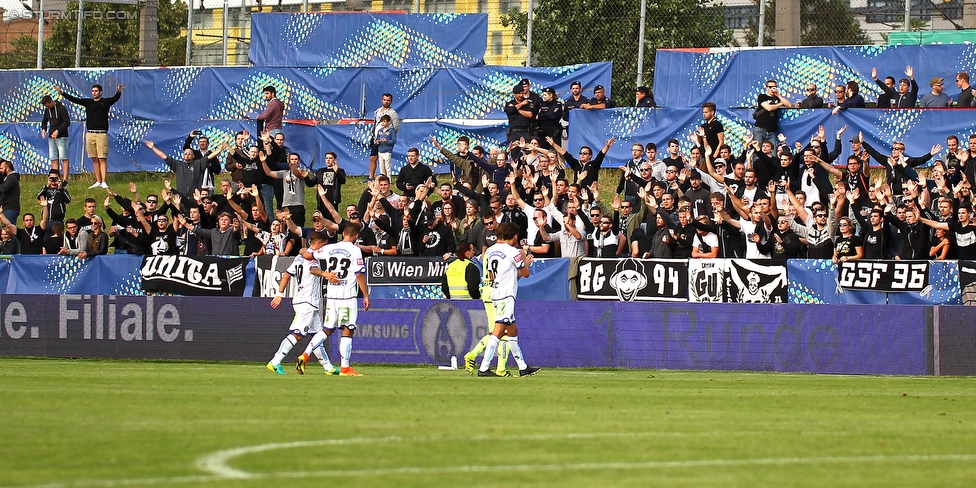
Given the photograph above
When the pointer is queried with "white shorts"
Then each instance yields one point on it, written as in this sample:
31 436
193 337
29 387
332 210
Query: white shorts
504 310
341 313
306 320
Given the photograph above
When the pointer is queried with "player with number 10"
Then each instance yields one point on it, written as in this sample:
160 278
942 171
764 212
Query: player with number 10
345 260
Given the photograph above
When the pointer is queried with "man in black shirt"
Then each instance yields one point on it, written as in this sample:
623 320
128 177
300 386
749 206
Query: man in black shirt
873 234
767 119
967 95
96 123
550 115
414 174
963 231
437 238
521 113
904 97
599 100
31 237
587 167
714 132
575 100
56 195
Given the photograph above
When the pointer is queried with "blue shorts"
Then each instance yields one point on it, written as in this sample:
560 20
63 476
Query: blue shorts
57 148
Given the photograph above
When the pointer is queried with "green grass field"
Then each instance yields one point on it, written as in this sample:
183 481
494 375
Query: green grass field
124 423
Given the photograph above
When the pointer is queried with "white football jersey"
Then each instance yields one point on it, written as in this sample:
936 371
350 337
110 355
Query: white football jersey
345 260
503 262
308 287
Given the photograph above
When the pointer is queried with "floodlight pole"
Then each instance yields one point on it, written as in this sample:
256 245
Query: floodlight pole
224 36
40 37
908 15
81 18
640 44
189 31
528 37
762 22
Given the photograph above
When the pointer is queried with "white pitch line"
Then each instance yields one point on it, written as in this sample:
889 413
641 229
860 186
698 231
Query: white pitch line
216 463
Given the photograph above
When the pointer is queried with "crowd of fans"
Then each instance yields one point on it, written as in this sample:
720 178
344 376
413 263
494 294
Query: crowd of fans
780 198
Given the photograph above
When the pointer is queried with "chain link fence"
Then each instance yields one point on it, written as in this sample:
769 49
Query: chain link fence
558 32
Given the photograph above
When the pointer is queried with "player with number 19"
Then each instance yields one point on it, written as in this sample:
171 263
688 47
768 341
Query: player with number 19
345 260
306 302
506 263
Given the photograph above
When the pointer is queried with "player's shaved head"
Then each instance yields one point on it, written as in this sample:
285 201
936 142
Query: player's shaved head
351 231
317 237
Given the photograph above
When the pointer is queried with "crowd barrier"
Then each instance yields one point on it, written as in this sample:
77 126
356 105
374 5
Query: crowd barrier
735 77
216 100
368 39
220 93
919 129
844 339
800 281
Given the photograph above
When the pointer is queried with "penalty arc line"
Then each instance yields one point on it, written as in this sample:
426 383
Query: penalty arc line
216 463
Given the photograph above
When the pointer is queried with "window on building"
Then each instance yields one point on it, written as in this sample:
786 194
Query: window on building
738 17
505 5
440 6
407 5
518 47
496 43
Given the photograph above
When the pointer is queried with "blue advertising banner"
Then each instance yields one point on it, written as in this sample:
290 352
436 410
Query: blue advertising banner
955 340
116 274
112 274
352 39
735 77
818 281
919 129
4 272
848 339
944 287
548 281
233 93
793 338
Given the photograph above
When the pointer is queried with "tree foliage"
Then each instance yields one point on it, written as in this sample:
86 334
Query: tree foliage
822 23
585 31
108 39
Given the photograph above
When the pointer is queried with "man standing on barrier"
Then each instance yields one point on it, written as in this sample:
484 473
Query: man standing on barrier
374 148
270 120
96 123
57 116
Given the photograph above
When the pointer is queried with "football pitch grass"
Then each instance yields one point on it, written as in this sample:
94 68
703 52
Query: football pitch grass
93 423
